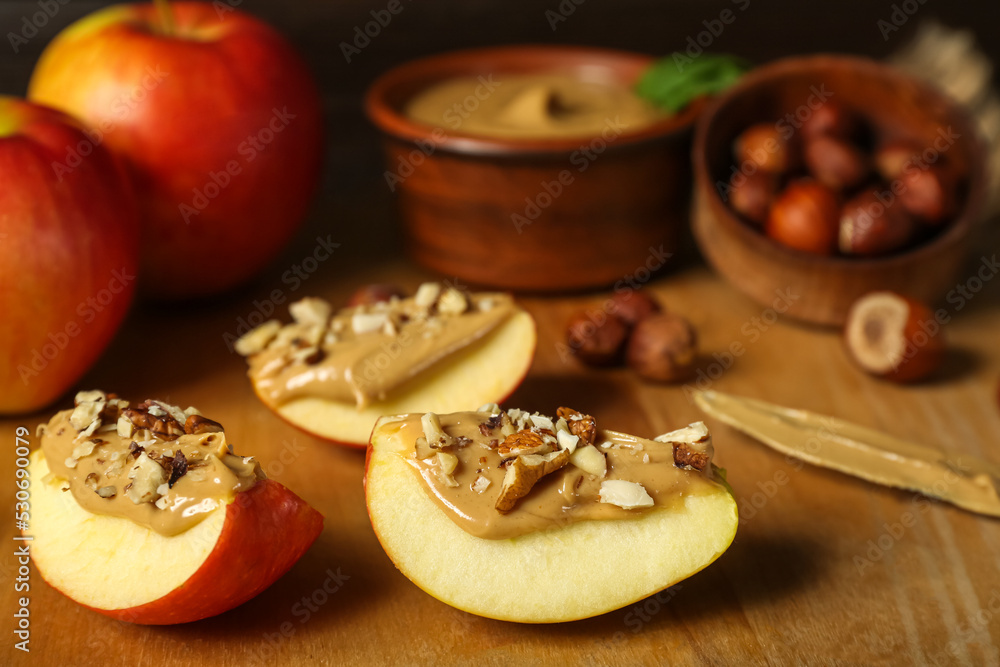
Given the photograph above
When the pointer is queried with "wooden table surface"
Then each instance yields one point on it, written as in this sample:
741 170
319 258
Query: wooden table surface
825 569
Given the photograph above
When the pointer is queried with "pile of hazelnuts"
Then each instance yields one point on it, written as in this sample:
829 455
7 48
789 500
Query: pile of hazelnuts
633 326
834 187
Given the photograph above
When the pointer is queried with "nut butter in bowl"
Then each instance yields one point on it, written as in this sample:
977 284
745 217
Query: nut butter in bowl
533 168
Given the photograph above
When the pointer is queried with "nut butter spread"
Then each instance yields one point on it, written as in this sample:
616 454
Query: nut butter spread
502 474
532 106
360 354
153 463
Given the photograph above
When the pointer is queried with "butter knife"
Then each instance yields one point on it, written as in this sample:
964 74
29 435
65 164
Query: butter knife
961 479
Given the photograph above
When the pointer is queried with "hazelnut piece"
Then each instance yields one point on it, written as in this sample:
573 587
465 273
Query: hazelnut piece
751 196
836 164
764 145
805 217
830 120
894 337
869 227
597 341
892 158
663 347
631 305
375 293
929 195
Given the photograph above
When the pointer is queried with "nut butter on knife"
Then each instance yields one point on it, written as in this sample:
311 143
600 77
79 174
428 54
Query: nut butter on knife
961 479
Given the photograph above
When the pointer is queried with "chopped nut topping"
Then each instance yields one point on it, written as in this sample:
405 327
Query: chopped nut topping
692 446
591 460
147 475
427 295
92 396
435 435
523 473
257 339
452 302
580 424
311 311
196 424
366 322
523 442
107 492
481 484
624 494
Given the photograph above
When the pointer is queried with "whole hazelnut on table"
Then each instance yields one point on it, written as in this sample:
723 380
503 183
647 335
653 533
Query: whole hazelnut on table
663 347
836 164
806 217
870 227
831 120
375 293
751 196
767 147
596 340
894 337
632 305
929 194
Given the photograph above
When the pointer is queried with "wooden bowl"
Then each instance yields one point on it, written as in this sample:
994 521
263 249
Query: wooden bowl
823 288
529 214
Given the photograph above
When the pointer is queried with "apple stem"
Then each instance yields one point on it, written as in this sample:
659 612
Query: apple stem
166 16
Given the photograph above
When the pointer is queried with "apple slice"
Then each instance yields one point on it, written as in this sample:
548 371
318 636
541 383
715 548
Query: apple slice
487 370
566 572
130 572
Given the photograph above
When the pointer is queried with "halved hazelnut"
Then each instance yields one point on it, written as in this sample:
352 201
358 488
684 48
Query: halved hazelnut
894 337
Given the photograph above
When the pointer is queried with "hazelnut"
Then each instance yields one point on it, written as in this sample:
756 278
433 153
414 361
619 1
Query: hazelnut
663 347
375 293
869 227
765 146
892 158
751 196
894 337
836 164
928 194
830 120
805 217
631 306
597 340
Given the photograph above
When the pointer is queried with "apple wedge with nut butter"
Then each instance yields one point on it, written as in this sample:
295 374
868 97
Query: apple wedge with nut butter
499 512
333 374
143 513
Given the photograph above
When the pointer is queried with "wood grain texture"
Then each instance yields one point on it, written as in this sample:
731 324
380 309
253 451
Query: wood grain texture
789 591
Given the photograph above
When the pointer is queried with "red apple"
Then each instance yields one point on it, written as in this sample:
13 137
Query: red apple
123 570
68 255
218 118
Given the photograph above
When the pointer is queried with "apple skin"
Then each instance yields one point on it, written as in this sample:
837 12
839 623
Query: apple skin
64 239
267 530
182 109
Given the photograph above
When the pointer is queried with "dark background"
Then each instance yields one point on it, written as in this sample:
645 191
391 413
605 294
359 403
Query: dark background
355 201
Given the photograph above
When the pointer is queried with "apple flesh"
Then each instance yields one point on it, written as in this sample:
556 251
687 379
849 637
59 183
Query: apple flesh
68 255
565 574
126 571
219 120
487 371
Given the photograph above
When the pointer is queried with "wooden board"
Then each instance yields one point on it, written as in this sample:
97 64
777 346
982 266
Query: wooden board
825 568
